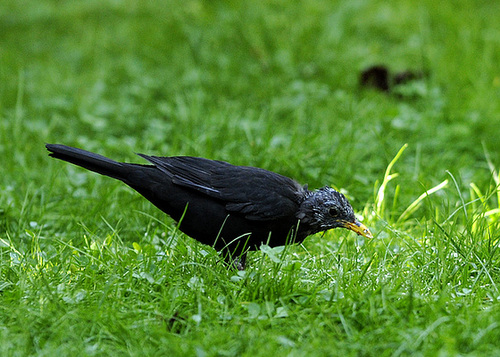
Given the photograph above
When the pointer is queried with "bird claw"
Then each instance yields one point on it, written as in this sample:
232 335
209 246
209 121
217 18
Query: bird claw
239 262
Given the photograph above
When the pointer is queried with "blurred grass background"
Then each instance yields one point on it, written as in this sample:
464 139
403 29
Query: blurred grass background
267 84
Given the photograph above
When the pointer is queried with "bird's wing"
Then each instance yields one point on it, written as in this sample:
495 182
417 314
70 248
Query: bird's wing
258 194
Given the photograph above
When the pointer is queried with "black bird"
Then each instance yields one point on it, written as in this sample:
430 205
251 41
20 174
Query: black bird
232 208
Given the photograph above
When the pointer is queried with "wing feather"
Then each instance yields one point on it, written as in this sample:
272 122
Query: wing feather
256 193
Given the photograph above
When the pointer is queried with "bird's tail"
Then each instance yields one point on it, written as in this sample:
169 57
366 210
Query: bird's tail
88 160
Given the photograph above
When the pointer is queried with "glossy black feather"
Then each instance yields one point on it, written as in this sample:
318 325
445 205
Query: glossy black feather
232 208
258 194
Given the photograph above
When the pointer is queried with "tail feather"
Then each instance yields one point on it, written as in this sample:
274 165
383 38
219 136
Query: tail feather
88 160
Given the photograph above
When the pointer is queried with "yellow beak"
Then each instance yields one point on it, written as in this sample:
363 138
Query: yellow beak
358 228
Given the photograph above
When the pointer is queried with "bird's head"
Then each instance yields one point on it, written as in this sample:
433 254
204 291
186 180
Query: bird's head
326 209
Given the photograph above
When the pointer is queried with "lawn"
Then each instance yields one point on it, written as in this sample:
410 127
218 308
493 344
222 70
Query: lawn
90 268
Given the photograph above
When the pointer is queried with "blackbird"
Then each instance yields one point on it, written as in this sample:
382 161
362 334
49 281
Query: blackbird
231 208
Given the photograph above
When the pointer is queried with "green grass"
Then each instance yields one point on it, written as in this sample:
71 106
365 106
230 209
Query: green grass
88 267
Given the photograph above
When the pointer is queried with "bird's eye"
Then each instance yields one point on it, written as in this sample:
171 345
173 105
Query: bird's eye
332 211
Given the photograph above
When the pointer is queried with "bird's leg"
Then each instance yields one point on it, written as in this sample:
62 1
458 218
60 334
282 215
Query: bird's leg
235 261
235 252
240 262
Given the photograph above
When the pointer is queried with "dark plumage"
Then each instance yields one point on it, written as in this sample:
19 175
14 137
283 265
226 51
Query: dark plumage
379 77
232 208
